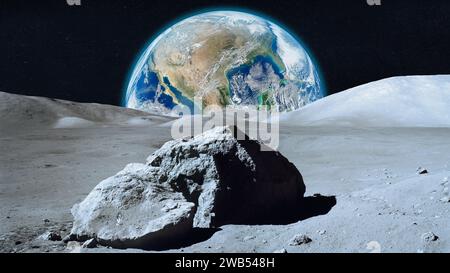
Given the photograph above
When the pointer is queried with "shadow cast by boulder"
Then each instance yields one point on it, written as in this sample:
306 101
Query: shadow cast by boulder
316 205
196 235
307 207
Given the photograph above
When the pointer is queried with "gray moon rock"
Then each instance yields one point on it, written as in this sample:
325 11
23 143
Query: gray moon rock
205 181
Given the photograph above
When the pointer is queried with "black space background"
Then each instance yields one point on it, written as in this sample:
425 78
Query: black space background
48 48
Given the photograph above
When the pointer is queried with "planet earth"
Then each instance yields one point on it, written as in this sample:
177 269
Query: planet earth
223 58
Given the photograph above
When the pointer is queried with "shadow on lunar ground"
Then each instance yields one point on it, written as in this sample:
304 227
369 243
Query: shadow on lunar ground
316 205
308 207
196 235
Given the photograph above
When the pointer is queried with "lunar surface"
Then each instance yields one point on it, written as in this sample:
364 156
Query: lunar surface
382 150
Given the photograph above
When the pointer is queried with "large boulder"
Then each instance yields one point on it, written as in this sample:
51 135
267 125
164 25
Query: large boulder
132 209
201 182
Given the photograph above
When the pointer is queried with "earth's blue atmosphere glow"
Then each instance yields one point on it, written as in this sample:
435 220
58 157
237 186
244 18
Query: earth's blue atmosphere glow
226 58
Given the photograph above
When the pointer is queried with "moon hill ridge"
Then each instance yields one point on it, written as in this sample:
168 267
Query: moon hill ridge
39 112
377 154
410 101
406 101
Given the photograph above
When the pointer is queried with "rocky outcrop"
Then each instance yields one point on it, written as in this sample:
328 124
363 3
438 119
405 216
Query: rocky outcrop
202 182
131 209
